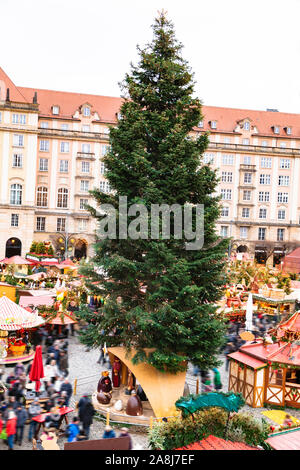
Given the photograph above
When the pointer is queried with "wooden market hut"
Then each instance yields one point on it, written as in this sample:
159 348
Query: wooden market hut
269 373
275 302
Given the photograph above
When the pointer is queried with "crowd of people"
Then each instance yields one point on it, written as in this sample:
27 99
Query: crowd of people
20 404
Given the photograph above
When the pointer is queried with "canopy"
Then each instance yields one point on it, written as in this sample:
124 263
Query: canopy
68 262
36 276
67 320
13 317
37 368
230 401
15 260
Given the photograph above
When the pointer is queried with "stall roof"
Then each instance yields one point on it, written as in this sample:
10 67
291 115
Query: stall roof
58 321
248 360
288 440
280 352
26 300
216 443
16 260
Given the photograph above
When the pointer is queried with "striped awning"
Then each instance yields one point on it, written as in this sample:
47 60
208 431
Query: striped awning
13 317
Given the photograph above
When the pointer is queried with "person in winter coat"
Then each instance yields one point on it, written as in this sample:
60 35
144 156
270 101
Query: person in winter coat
217 379
11 429
33 410
86 413
63 364
108 433
19 369
125 433
51 372
22 416
67 387
73 430
53 420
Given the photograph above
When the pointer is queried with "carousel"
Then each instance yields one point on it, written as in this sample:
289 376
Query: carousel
136 393
268 371
15 326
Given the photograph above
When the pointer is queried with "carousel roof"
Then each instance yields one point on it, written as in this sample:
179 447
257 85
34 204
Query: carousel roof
13 317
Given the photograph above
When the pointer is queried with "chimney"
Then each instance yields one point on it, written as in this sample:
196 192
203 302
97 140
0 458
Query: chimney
34 100
7 94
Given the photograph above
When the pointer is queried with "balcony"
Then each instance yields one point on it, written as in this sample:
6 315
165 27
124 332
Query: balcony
244 167
257 149
86 156
72 134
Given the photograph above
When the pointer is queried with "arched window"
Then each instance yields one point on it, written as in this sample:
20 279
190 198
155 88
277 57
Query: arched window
42 196
16 194
62 197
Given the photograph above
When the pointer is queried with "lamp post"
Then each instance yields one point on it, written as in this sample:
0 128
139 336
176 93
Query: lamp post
66 241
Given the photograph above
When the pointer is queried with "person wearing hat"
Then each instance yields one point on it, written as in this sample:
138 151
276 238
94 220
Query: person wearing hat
33 410
11 429
108 432
125 433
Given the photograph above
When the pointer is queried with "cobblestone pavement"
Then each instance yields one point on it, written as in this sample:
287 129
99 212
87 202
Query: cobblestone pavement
84 368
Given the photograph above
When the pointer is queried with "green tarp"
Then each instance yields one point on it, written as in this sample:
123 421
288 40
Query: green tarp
229 401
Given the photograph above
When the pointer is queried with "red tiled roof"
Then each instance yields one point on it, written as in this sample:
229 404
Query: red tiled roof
248 360
216 443
14 93
285 441
107 107
69 103
228 118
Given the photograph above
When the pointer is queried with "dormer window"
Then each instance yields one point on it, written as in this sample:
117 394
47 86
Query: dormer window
213 124
247 126
276 129
55 109
288 130
200 124
86 111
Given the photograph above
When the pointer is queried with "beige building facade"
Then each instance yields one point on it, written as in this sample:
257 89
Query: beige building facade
51 148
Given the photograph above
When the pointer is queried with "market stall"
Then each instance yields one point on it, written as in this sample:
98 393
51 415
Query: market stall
278 381
275 303
15 326
36 298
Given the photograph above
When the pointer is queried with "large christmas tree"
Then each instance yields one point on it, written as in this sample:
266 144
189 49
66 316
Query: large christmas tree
159 294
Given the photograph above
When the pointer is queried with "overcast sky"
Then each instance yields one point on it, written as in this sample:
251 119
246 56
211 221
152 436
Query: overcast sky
243 54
